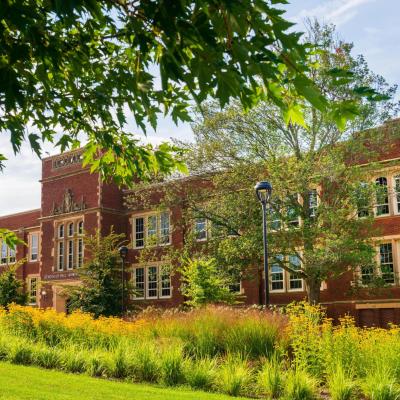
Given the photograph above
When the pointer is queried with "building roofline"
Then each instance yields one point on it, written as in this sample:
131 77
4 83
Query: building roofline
20 213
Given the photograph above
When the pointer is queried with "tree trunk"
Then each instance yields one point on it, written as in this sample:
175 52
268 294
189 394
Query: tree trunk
313 287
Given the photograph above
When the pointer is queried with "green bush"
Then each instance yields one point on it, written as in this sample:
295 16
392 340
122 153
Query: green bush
20 352
73 360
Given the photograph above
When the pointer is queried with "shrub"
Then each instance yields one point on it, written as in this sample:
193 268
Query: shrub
95 364
200 374
341 386
270 379
299 385
234 376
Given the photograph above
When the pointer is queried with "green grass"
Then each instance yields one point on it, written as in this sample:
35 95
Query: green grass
20 383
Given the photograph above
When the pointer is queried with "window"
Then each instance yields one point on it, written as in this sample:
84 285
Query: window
80 228
139 232
165 281
60 261
313 202
80 252
164 228
61 231
382 198
295 281
397 193
200 228
367 274
139 283
32 290
277 275
69 245
33 247
386 262
71 229
70 260
292 215
7 255
363 200
152 282
275 216
153 230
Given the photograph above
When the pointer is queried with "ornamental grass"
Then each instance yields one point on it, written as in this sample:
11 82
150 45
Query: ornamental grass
296 353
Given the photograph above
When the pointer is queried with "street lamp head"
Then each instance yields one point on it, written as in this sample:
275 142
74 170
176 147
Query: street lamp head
123 252
263 190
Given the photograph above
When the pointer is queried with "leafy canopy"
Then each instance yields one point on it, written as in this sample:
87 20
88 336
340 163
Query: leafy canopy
88 66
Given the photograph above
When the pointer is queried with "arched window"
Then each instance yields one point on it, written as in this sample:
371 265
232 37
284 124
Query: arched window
61 231
71 229
80 228
382 198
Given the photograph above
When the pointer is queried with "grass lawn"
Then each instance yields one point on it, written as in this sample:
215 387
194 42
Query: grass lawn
30 383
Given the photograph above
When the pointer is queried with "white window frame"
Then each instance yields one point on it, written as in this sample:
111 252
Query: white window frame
31 247
146 282
10 254
387 263
79 252
60 255
271 273
70 254
201 222
157 229
313 206
291 279
30 279
376 205
134 277
396 193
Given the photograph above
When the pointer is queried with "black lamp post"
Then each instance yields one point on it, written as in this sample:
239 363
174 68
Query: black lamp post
263 192
123 252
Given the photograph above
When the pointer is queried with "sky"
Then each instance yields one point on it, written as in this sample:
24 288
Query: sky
372 25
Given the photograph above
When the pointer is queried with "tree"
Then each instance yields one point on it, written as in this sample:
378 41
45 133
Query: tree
315 171
11 288
100 291
88 66
203 282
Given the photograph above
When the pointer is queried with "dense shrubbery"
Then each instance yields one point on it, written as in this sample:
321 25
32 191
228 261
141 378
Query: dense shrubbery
297 356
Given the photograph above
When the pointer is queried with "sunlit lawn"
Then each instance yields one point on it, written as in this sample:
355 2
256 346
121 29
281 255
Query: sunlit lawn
22 383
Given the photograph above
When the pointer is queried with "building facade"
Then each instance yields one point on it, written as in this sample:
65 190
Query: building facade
75 202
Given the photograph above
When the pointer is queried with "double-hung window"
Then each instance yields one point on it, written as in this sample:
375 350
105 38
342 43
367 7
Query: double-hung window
386 262
7 254
382 197
152 282
33 290
151 230
69 245
397 193
201 229
295 280
277 275
34 246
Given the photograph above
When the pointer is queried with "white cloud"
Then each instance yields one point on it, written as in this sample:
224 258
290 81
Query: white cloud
336 11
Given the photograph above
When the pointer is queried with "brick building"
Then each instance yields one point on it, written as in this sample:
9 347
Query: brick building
74 201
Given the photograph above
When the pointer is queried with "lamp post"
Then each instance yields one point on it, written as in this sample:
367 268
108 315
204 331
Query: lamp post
123 252
263 192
